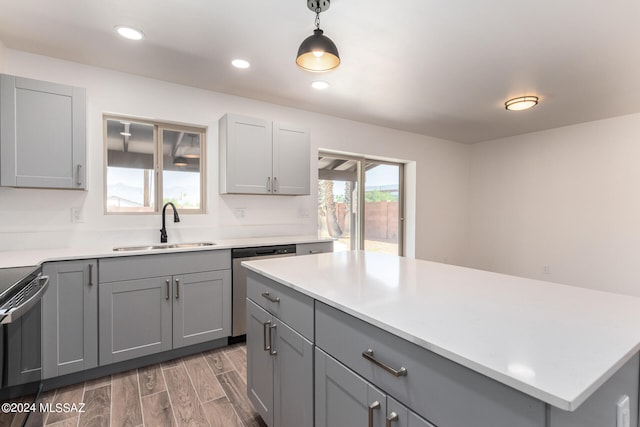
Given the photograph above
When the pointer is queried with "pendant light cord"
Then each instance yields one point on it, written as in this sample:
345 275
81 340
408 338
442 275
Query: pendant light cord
318 17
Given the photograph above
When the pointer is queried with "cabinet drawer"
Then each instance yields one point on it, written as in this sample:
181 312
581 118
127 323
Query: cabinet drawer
288 305
444 392
155 265
314 248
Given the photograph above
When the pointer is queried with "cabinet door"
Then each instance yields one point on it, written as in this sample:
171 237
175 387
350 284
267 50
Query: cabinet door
23 347
135 318
342 398
259 362
399 415
43 134
201 307
291 160
293 378
70 318
245 155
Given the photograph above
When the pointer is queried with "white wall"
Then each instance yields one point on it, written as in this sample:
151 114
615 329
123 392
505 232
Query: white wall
2 54
566 198
32 218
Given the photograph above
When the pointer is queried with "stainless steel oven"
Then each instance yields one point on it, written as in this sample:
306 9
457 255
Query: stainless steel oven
239 282
21 289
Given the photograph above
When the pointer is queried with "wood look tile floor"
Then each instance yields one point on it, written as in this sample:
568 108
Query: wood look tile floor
206 389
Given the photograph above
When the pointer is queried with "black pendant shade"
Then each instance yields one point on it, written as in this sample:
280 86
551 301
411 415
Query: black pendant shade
318 53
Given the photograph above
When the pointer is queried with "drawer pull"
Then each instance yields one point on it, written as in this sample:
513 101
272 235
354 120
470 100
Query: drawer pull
395 372
372 407
265 346
270 298
272 352
391 418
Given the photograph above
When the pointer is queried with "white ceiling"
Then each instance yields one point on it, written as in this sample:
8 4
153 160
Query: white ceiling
440 68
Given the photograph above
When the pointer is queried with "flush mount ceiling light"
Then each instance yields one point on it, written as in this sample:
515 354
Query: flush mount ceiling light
129 32
319 85
318 53
521 103
240 63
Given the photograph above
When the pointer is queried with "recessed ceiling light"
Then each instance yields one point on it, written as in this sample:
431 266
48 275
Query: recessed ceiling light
129 32
319 85
240 63
521 103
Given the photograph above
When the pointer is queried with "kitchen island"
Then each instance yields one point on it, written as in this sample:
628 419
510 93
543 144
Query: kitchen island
477 348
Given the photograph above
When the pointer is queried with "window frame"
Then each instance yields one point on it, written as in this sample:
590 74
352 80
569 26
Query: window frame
158 162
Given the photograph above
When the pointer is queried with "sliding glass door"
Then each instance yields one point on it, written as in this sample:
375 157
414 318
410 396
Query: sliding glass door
370 219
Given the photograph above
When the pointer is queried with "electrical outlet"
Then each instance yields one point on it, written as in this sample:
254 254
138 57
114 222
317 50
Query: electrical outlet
76 215
546 269
303 213
239 212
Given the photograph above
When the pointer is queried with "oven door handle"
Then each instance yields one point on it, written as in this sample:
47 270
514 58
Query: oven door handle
14 313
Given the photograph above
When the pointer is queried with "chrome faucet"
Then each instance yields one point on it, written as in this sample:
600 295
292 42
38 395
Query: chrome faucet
176 218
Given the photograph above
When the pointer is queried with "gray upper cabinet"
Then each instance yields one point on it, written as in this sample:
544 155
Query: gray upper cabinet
42 134
70 317
262 157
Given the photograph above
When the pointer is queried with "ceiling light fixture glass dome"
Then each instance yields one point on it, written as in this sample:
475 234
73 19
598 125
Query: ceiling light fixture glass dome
129 32
318 53
521 103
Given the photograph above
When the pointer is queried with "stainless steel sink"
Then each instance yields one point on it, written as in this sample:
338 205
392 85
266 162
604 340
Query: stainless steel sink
163 246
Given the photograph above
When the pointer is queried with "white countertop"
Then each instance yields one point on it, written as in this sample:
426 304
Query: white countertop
554 342
10 259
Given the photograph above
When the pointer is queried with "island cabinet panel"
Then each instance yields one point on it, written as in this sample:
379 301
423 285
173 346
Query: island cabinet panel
288 305
343 398
444 392
599 409
279 368
70 317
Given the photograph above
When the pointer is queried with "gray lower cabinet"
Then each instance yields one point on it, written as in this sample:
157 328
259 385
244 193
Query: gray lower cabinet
42 134
201 310
279 370
342 398
70 317
146 316
153 303
314 248
23 360
135 318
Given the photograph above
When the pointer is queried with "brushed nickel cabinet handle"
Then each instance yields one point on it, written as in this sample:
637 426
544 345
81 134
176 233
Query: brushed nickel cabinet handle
168 295
272 352
395 372
270 298
275 184
265 346
79 169
177 288
268 184
90 274
391 418
373 406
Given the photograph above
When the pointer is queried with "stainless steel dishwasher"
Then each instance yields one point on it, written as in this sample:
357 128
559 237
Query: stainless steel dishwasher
239 283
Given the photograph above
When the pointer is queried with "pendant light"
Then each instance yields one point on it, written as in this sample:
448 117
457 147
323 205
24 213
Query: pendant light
318 53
